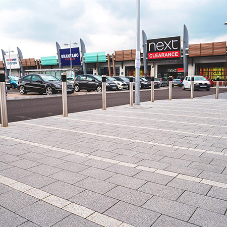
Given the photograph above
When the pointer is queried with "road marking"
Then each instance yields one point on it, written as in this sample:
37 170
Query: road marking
64 204
9 181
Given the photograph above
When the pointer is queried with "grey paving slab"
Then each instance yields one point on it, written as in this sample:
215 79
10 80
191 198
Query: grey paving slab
5 166
154 177
44 170
94 201
171 208
97 173
190 186
204 202
28 224
95 185
24 164
126 181
208 219
97 164
62 189
72 166
153 164
15 173
51 161
74 220
165 221
15 200
124 170
132 215
10 219
219 193
36 180
127 195
67 177
43 214
214 176
4 188
7 158
174 161
161 190
74 158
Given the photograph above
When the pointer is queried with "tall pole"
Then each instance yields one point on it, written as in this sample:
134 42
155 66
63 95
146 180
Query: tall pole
137 60
70 60
9 63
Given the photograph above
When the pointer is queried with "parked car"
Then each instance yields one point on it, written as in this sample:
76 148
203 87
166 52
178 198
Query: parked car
120 85
163 81
145 84
177 82
92 83
7 82
156 83
123 79
13 81
134 81
200 82
211 81
70 80
41 83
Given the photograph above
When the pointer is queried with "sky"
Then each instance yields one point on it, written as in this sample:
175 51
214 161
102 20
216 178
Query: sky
105 25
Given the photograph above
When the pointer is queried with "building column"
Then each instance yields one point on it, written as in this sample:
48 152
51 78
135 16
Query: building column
122 69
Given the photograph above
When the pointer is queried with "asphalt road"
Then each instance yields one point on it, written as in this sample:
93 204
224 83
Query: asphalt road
24 109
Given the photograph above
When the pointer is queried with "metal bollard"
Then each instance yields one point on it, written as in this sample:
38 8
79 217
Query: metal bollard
192 87
217 88
152 89
64 95
170 88
103 92
4 116
131 90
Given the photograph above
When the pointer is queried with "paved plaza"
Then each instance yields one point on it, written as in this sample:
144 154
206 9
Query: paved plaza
161 164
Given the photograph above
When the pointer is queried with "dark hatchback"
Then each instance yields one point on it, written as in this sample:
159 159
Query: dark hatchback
92 83
41 83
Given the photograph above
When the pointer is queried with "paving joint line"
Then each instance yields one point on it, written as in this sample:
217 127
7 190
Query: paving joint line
144 168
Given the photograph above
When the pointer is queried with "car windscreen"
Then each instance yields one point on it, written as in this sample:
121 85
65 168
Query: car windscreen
14 78
49 78
199 78
156 79
97 77
111 79
143 79
177 80
124 79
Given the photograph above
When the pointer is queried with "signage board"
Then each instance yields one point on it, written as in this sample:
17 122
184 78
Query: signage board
164 48
66 58
13 61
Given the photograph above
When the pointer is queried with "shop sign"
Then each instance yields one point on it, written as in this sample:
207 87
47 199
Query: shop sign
12 61
177 70
66 58
164 48
180 70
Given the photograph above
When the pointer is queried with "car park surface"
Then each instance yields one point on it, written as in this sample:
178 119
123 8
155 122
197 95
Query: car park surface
41 83
97 174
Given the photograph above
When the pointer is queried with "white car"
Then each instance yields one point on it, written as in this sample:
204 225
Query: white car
200 82
120 84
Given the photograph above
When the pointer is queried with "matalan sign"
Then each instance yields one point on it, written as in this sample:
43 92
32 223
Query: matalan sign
164 48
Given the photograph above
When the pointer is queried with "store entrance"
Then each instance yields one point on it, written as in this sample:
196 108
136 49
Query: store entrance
176 71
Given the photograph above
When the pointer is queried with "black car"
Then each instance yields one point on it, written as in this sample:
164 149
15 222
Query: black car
41 83
145 84
92 83
156 83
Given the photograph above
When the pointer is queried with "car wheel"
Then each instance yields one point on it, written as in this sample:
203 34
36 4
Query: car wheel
76 88
49 91
22 90
99 89
88 90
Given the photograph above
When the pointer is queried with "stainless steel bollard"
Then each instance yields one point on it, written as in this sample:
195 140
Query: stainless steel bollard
4 116
64 95
217 88
192 87
170 88
131 90
152 89
103 92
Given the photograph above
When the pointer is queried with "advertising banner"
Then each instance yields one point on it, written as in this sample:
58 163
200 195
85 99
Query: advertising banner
164 48
66 58
13 61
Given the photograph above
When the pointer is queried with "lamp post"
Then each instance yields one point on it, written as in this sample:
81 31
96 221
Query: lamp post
66 44
225 61
9 60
